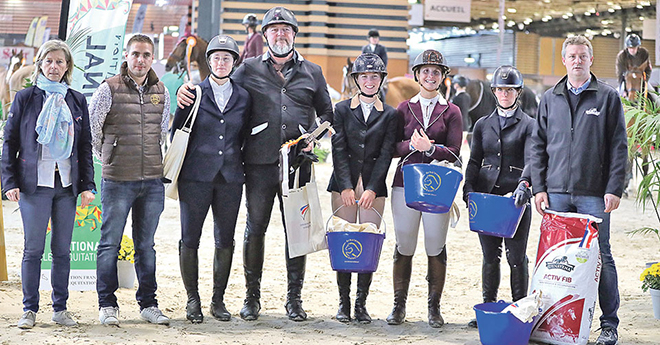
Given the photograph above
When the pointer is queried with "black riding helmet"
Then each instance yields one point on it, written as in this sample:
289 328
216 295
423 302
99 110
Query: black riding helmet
460 80
251 20
430 57
373 33
369 63
507 76
222 43
279 15
633 40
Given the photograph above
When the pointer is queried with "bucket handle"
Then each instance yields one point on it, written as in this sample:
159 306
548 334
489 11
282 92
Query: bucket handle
438 146
382 221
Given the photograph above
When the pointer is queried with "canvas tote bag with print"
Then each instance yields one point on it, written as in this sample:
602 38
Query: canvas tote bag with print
176 153
302 213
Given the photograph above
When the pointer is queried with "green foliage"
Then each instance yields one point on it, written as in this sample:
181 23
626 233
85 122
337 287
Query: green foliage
643 121
322 153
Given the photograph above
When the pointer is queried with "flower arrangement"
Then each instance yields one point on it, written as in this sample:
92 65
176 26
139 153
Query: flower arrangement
651 278
126 250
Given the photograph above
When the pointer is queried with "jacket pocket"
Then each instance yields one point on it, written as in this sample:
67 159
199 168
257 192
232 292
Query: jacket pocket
512 168
259 128
108 150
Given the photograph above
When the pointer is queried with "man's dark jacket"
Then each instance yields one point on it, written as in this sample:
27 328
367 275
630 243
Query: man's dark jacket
281 108
581 153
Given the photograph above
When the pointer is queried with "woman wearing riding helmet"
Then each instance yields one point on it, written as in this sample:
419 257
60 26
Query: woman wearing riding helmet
429 129
362 148
500 152
212 174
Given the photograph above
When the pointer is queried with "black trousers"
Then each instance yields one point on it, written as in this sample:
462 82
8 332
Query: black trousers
262 185
195 199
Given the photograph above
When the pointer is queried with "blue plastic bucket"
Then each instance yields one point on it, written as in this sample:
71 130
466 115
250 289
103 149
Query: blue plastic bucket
497 328
354 251
429 187
494 215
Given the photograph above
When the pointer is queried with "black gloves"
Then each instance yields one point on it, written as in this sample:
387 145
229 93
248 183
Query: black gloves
522 194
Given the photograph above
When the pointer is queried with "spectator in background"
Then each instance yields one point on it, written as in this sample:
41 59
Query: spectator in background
254 42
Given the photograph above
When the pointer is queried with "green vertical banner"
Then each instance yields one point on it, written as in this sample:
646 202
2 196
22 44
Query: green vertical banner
101 54
99 57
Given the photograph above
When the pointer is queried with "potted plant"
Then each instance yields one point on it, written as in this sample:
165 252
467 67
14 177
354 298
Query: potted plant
125 263
651 282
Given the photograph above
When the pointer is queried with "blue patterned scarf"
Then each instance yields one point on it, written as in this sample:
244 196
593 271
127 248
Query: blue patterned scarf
55 122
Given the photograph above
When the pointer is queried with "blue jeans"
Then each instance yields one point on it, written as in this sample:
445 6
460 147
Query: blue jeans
608 288
58 204
147 200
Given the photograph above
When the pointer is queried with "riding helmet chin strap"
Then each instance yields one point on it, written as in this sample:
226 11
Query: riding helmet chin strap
513 105
362 92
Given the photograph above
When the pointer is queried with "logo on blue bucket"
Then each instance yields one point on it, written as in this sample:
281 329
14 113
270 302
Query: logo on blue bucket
431 181
472 209
352 249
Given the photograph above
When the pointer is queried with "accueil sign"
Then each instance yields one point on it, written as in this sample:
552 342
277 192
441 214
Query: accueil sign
447 10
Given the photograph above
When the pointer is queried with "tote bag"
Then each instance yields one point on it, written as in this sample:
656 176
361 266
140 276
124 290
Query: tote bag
302 213
176 153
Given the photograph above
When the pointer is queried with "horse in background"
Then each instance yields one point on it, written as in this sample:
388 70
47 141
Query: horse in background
187 55
637 93
16 61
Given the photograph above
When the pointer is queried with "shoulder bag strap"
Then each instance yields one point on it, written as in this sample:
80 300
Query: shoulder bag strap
190 120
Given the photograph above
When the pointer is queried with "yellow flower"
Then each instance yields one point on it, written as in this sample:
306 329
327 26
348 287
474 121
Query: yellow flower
126 250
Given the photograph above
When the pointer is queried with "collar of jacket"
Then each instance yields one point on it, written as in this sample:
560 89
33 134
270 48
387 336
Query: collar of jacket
562 89
152 77
441 100
265 56
355 102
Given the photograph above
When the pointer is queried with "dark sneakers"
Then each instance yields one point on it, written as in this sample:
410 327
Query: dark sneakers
608 336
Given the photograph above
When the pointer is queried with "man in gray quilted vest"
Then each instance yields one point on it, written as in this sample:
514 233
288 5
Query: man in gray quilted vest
129 114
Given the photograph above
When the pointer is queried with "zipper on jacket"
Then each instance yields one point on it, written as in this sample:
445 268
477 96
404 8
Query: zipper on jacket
140 92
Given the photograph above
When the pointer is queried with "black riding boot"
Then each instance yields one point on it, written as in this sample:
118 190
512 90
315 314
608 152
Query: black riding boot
490 283
401 280
364 281
295 277
188 263
344 285
519 279
437 271
253 263
221 268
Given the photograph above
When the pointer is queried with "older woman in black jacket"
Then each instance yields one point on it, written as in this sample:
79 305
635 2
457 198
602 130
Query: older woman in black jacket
212 175
362 150
46 163
500 151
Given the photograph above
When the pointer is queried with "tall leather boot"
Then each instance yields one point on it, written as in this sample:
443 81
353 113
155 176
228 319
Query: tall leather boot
295 269
344 285
221 268
490 283
437 271
364 281
253 263
519 280
401 281
188 262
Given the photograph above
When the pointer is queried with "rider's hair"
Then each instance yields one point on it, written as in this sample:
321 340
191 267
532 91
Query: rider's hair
577 41
140 38
50 46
